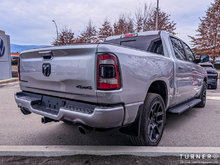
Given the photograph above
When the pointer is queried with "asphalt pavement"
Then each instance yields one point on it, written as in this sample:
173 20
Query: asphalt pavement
197 127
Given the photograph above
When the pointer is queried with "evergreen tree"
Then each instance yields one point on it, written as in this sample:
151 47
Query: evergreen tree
164 22
144 20
123 25
105 31
65 37
207 40
89 35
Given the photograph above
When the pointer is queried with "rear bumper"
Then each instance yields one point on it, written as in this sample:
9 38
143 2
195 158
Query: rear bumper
212 82
212 79
101 116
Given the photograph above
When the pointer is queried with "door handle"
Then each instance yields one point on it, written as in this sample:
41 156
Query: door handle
46 54
180 67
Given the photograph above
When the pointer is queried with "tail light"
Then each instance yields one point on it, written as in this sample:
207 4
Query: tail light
108 74
19 77
129 35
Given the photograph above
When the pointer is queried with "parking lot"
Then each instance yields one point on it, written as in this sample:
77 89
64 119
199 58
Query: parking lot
197 127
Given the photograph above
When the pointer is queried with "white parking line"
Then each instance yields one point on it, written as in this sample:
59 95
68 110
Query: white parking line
213 98
61 150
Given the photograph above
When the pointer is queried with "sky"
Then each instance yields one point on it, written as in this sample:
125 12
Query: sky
30 21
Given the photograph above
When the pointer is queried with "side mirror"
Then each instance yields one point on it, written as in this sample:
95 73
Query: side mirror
196 61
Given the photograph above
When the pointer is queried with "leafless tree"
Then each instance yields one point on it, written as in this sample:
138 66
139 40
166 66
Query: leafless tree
145 20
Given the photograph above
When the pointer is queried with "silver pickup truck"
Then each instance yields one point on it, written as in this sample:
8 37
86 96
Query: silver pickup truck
128 82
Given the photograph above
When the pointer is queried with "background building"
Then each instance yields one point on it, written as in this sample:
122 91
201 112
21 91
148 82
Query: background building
5 58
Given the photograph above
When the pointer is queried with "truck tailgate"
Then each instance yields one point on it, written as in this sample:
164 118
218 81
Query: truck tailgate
64 71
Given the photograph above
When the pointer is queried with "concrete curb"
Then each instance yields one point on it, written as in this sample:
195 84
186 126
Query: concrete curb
61 150
6 81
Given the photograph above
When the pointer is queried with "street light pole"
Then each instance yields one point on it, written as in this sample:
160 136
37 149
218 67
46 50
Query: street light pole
157 14
56 27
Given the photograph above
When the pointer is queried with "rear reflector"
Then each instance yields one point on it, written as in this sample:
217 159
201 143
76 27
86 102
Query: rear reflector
108 75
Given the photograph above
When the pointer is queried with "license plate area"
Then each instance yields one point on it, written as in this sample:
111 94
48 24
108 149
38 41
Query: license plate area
51 104
48 104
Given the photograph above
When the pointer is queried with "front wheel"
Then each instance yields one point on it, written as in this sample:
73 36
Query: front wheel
152 121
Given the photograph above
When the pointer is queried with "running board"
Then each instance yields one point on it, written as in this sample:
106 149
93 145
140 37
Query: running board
183 107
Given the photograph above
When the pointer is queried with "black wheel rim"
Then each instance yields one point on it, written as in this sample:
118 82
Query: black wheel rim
156 122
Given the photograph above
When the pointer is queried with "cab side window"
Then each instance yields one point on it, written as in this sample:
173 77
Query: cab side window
178 49
156 47
189 53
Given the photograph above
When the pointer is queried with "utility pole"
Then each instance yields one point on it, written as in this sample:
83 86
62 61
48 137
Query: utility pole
56 27
157 14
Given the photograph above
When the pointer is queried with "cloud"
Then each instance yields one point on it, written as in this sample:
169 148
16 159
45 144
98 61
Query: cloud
30 21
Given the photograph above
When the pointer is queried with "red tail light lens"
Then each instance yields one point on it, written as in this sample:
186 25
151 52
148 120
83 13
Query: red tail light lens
108 74
129 35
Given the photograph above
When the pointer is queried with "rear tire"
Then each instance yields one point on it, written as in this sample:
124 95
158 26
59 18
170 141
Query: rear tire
202 96
153 119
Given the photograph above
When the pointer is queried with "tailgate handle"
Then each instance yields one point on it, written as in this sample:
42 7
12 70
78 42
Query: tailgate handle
47 55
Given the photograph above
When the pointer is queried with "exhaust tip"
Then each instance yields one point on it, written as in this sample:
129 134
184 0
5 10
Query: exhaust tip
45 120
25 111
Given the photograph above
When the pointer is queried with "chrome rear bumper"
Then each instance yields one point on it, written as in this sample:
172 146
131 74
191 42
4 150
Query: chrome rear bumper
101 116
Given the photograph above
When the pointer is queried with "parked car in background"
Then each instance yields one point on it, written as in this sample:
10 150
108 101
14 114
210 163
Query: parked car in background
217 60
14 60
212 75
204 58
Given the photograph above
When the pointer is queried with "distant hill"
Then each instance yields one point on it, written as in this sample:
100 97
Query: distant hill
19 48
